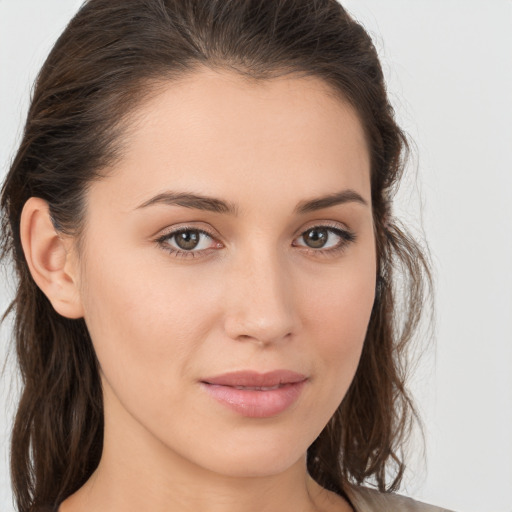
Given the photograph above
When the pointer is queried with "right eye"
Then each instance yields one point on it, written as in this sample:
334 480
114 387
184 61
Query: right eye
188 242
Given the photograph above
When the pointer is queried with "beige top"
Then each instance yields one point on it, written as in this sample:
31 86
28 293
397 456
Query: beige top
370 500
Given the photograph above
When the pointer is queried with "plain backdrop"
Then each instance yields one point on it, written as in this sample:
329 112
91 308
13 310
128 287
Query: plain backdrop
448 65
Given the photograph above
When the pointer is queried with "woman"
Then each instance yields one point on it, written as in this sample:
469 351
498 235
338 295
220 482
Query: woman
200 217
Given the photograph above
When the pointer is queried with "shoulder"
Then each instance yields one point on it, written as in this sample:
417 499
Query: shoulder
365 499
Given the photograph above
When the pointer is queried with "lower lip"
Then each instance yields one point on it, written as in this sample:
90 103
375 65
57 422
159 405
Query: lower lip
254 403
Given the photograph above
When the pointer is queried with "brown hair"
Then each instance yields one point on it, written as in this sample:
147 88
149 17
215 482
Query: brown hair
108 59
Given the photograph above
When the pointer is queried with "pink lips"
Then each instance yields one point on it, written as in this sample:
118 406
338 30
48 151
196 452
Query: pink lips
256 395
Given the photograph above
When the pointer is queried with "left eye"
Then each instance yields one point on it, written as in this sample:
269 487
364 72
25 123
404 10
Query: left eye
323 237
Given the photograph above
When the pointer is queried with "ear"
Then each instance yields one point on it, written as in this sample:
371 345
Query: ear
49 258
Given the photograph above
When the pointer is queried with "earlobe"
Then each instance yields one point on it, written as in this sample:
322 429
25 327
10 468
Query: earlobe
49 259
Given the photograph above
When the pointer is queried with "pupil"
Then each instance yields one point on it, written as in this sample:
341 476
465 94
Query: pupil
187 240
316 237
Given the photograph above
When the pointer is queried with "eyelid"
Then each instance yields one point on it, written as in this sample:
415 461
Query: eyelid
176 228
323 224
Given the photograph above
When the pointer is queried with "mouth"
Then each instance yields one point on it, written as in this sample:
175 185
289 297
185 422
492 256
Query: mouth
260 388
256 395
253 379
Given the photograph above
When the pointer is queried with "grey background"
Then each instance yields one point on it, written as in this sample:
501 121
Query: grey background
449 68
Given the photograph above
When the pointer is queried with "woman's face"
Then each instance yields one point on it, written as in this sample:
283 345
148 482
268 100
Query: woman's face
235 235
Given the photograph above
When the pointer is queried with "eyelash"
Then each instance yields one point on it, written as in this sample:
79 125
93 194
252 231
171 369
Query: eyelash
346 238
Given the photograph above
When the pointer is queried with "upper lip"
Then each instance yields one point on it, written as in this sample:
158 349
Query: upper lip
249 378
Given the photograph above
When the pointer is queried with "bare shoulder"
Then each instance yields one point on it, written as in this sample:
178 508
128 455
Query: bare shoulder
365 499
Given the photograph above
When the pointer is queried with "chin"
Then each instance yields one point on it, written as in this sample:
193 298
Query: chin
251 456
258 466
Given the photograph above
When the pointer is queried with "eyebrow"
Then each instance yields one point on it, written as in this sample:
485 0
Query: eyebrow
196 201
212 204
345 196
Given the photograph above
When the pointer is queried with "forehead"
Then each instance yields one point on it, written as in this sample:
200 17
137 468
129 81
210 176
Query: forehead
216 129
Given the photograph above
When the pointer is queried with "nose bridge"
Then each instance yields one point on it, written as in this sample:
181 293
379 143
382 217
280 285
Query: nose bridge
260 302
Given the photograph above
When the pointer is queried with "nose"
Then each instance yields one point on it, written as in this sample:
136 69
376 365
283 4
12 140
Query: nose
259 304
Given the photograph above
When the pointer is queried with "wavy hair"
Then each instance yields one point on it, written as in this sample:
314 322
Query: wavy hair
110 57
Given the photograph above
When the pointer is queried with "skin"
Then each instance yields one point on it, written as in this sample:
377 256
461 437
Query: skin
254 296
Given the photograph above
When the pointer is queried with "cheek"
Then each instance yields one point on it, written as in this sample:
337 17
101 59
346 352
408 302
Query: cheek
339 314
144 324
342 307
